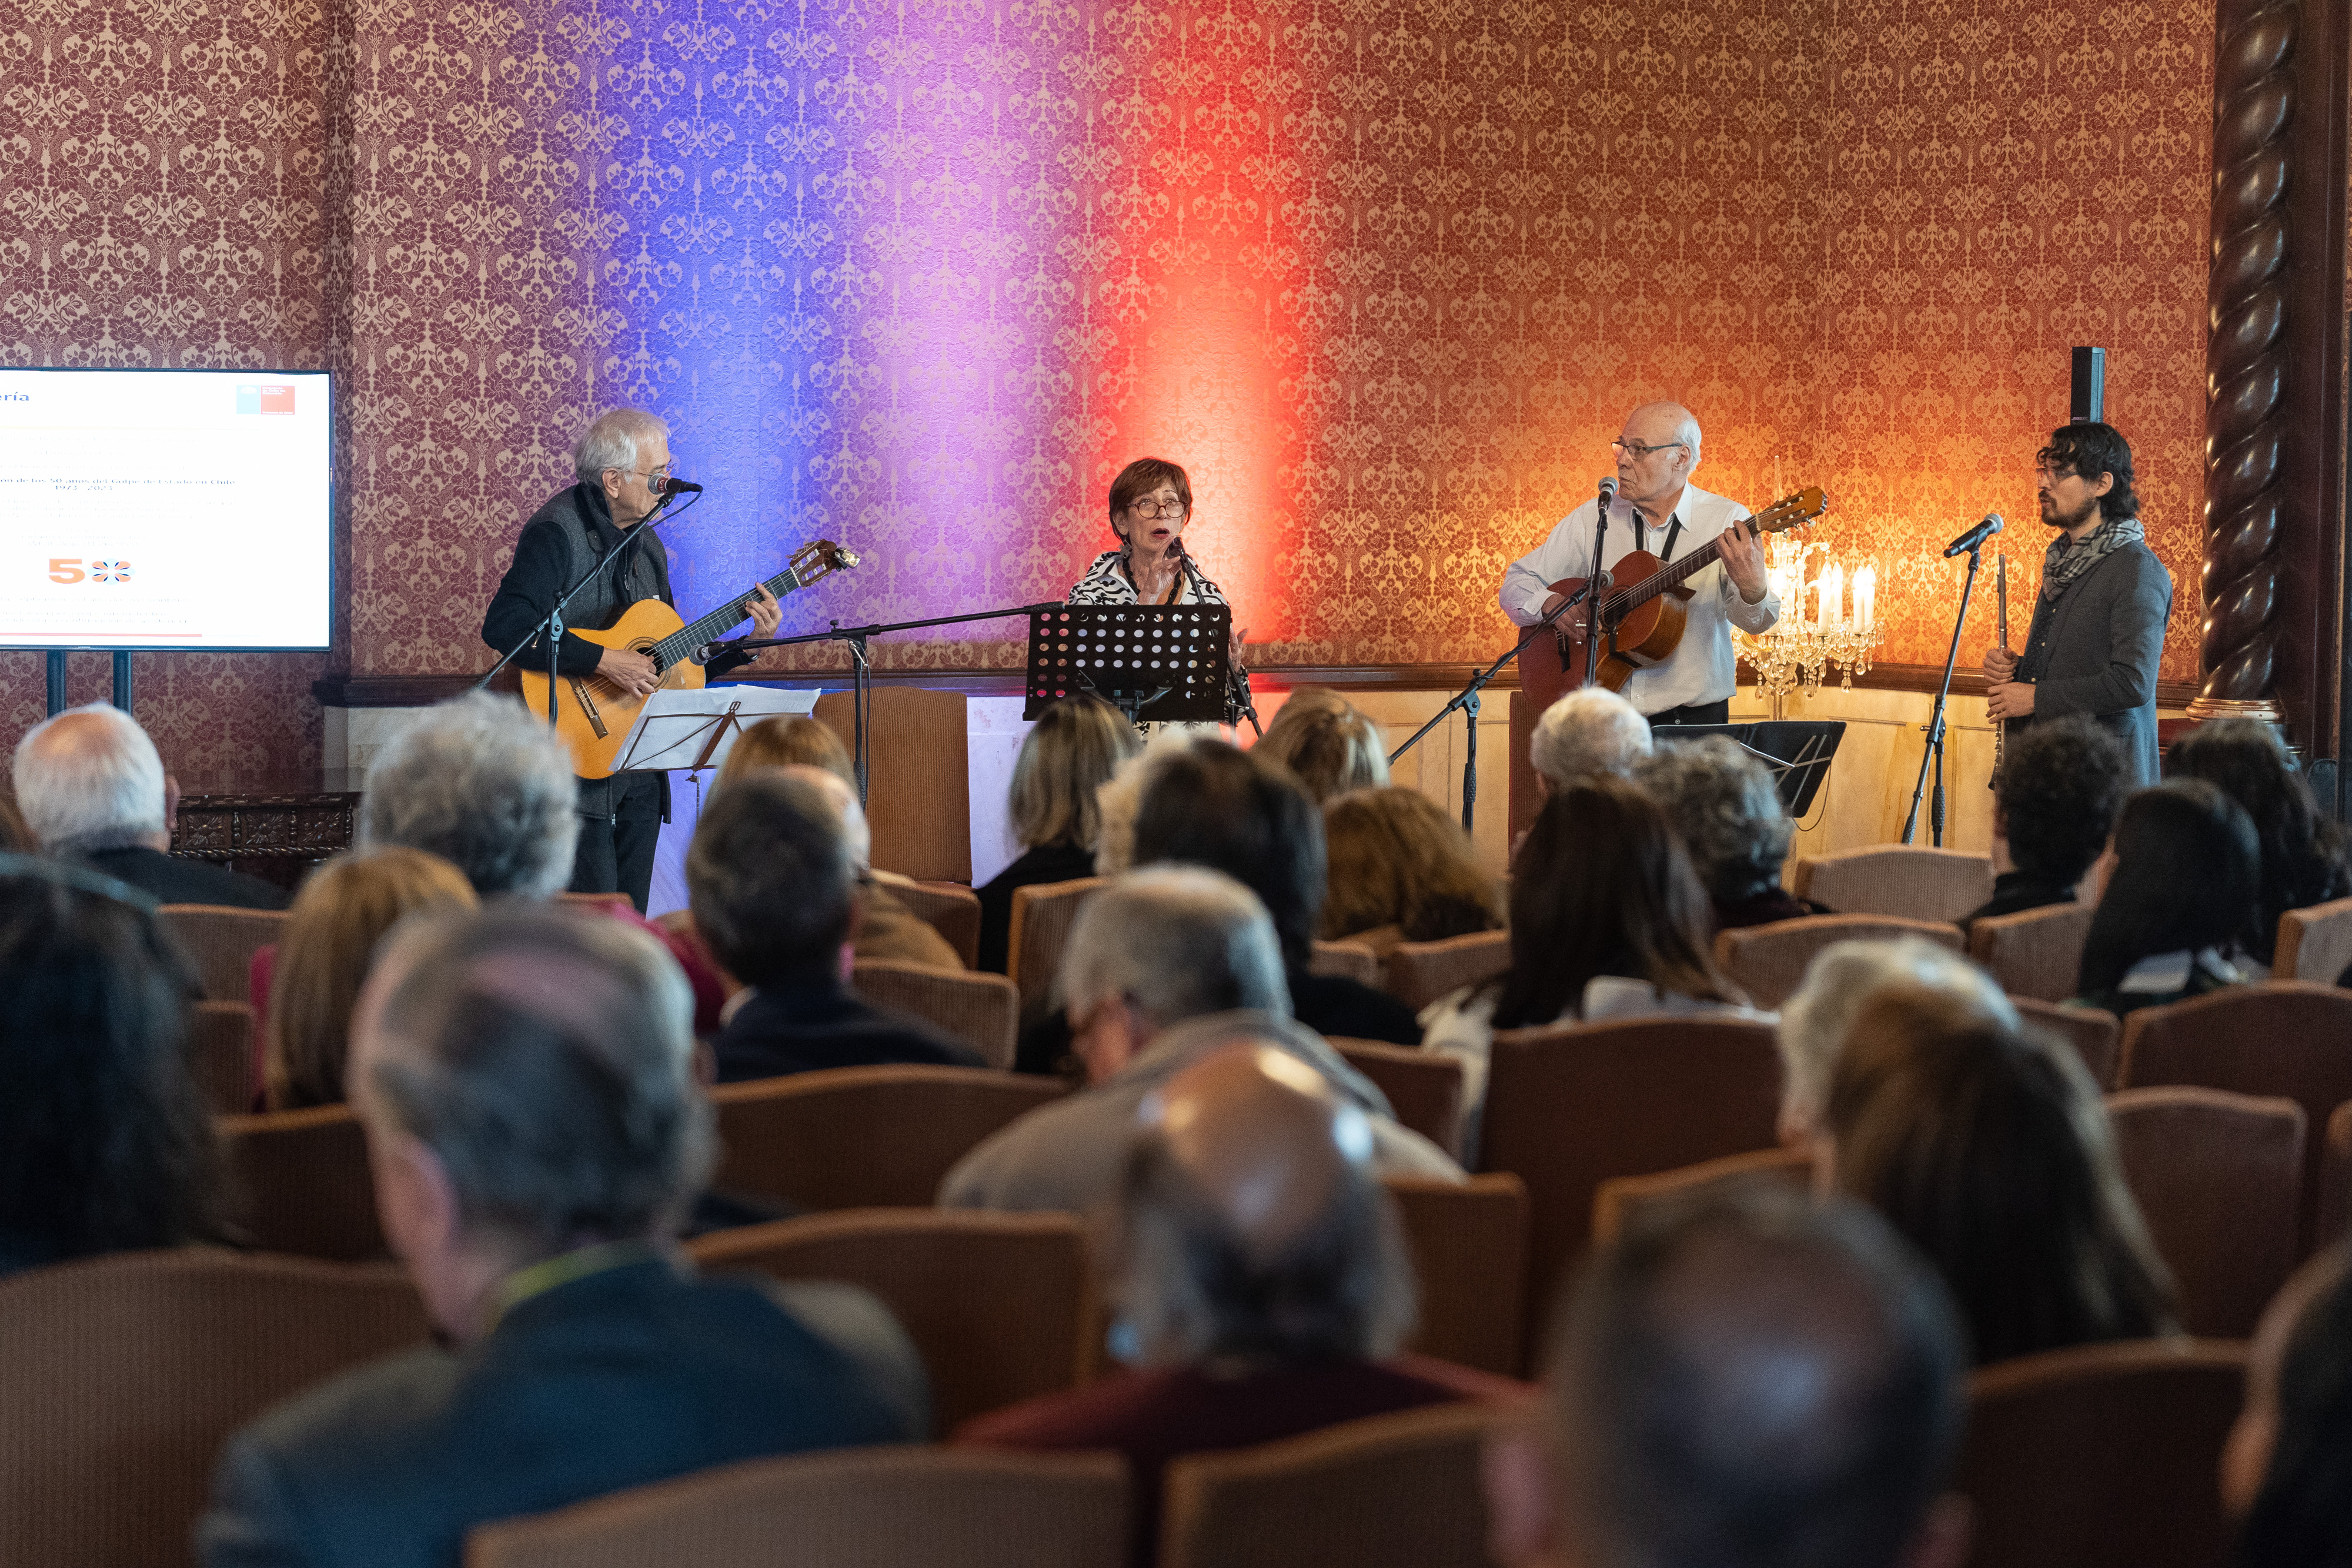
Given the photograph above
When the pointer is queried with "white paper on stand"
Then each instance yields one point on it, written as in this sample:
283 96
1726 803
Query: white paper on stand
676 725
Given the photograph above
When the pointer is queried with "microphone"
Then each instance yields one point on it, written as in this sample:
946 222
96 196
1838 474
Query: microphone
1975 536
1608 492
676 486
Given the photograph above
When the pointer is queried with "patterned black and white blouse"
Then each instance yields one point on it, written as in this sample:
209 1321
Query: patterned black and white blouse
1106 582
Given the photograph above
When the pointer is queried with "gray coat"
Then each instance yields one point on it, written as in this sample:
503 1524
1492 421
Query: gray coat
2095 651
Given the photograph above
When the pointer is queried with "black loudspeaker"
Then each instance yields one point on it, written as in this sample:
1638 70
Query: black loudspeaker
2086 403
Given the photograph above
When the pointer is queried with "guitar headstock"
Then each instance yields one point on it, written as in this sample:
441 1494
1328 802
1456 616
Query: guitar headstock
819 558
1791 511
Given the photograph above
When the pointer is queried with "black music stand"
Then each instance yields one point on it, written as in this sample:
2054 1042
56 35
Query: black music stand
1798 750
1157 664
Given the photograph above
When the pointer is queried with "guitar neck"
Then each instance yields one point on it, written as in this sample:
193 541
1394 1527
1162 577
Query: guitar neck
1671 576
682 642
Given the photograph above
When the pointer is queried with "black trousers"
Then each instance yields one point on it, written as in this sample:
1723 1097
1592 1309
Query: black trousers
1694 713
616 848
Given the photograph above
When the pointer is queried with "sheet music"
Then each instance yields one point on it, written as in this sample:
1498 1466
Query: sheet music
676 725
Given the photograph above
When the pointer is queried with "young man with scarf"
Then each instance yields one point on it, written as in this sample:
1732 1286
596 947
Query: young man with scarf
2098 621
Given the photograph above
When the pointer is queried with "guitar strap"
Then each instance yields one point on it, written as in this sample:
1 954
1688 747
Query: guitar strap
1674 532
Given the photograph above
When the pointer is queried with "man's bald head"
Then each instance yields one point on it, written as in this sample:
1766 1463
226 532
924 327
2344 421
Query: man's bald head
1755 1382
90 779
1253 1228
1654 424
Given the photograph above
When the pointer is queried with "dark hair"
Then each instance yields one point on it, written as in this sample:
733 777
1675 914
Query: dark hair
105 1145
2091 449
2186 874
1239 813
1760 1382
769 878
1990 1151
2301 1516
2302 851
1143 476
1602 888
2061 783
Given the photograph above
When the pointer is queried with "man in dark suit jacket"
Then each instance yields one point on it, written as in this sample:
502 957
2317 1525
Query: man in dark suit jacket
2098 621
91 785
525 1079
772 880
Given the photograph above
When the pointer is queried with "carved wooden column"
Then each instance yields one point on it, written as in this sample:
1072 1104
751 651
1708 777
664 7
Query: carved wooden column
2273 368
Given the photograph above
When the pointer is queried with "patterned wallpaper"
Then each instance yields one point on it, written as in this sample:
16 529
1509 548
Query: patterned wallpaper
920 275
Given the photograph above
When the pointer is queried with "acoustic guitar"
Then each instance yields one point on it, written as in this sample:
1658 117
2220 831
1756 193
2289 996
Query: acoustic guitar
597 718
1641 625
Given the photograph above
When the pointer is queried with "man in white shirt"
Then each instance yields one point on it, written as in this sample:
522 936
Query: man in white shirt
1658 510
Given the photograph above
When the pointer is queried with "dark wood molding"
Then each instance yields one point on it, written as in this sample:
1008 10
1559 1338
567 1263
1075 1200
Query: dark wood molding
422 691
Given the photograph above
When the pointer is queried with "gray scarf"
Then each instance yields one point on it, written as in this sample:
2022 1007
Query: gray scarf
2068 561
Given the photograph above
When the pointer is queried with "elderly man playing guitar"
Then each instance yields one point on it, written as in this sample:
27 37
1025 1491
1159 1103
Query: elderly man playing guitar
1660 514
623 465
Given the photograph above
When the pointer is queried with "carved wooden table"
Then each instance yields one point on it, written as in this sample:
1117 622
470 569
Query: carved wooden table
273 827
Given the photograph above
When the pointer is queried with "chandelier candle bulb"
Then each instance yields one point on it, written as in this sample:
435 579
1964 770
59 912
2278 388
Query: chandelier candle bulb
1865 599
1833 597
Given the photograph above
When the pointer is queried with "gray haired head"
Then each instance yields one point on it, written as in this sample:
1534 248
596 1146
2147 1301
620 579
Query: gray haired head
1841 980
612 442
1588 732
88 780
481 784
1176 942
546 1059
1726 811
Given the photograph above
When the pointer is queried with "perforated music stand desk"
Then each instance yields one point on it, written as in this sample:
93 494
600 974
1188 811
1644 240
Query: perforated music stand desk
695 728
1799 750
1158 664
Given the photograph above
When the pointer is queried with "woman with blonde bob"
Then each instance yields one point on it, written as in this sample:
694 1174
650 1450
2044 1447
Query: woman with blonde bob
1988 1148
332 933
1400 870
1071 752
784 742
1327 742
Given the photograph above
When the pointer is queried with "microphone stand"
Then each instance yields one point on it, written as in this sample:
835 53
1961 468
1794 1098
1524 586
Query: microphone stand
553 625
1466 699
861 674
1935 751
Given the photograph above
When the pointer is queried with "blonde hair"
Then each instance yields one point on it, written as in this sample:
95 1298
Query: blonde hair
1396 859
783 742
1071 752
332 933
1327 742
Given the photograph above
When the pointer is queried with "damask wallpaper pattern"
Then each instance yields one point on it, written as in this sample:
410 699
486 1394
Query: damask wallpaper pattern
921 276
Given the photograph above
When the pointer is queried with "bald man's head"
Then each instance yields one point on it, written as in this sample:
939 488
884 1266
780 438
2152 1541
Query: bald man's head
90 779
1656 452
1755 1382
1254 1231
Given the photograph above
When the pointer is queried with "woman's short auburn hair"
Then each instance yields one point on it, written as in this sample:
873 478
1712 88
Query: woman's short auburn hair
332 932
1395 858
1071 752
1143 476
786 742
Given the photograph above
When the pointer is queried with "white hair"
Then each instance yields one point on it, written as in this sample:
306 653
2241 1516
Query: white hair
1177 943
612 442
481 783
86 787
1588 732
1841 977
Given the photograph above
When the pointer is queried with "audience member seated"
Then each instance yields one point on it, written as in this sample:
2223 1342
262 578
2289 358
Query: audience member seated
1261 1283
2177 890
2054 805
1841 978
1608 922
2304 852
1327 744
105 1145
887 929
1068 754
524 1077
1988 1149
481 783
772 880
1163 967
344 910
2288 1459
1400 870
15 837
93 787
1748 1382
1590 733
1723 806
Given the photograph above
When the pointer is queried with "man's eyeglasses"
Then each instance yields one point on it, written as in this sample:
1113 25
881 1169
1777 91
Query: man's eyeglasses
1153 510
1638 451
2045 474
655 478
